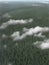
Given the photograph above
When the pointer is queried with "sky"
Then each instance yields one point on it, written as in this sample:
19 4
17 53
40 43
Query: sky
24 0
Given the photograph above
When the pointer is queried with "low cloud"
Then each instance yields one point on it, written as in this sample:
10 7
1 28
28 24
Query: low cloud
16 35
4 36
36 5
42 44
40 35
25 29
29 32
14 22
6 15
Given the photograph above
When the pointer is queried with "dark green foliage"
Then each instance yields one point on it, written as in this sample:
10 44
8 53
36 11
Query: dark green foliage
24 53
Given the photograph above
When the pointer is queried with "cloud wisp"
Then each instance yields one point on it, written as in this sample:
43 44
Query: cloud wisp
6 15
37 31
14 22
42 44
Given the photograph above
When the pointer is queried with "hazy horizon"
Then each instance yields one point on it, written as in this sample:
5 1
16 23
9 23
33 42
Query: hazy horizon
27 0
